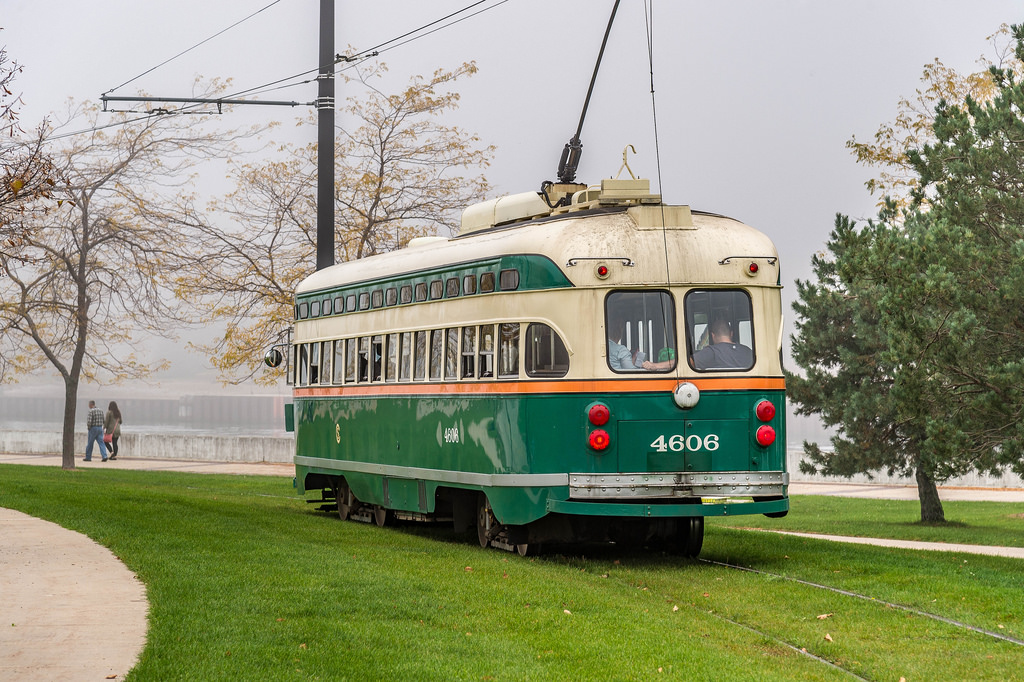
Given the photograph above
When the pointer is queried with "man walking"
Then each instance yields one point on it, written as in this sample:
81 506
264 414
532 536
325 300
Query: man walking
95 425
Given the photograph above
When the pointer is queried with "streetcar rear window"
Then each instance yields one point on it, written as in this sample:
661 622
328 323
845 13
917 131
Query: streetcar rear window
719 330
640 331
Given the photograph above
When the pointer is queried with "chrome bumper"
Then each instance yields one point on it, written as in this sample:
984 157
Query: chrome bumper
677 485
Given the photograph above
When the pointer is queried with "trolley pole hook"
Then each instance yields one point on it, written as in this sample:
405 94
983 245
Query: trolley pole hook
625 163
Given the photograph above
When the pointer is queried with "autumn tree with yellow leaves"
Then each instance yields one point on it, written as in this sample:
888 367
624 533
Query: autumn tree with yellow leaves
401 172
913 127
91 278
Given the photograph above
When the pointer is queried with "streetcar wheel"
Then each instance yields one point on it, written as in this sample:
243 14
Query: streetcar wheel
484 521
381 516
691 535
346 501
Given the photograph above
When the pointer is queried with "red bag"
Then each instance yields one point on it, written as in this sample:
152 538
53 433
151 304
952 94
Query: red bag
108 438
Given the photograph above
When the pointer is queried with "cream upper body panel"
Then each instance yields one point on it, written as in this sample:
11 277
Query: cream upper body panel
692 248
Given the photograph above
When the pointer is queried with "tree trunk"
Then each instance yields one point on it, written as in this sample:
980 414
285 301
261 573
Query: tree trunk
928 493
68 431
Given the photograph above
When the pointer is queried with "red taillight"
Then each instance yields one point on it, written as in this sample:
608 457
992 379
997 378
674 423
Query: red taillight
753 268
765 436
599 439
599 414
602 271
765 411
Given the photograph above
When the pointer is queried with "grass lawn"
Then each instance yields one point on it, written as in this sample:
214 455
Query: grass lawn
972 523
246 581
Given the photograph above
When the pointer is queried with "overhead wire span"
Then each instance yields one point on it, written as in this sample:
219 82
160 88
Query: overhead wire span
183 52
351 62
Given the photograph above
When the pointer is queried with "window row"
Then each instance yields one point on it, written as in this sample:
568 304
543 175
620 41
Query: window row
413 292
450 354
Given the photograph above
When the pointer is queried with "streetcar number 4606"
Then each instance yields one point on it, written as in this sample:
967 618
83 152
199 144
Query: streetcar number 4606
679 443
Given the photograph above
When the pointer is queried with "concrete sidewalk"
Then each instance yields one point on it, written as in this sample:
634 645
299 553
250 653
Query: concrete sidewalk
70 610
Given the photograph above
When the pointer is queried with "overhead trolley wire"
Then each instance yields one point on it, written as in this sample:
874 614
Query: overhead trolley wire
183 52
270 86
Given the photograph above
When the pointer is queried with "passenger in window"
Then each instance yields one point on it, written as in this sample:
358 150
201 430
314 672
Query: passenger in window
723 353
666 360
620 357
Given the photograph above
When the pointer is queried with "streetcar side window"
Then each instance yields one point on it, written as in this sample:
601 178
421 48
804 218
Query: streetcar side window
325 362
351 360
303 310
509 280
640 331
508 363
486 355
451 356
339 305
469 285
364 358
436 354
719 330
350 303
364 300
314 309
377 298
546 355
377 357
436 289
451 287
420 362
468 352
339 361
391 371
421 291
314 363
304 364
405 358
405 294
486 282
391 296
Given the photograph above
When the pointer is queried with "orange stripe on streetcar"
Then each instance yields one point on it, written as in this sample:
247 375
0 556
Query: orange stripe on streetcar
528 387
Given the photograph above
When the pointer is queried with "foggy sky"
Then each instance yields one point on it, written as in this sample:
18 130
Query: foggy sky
755 99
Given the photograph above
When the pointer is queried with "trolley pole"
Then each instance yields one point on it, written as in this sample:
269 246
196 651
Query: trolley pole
325 140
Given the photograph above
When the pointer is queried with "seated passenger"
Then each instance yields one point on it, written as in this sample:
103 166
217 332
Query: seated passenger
723 353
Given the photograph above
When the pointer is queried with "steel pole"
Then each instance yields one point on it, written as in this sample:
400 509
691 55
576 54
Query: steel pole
325 140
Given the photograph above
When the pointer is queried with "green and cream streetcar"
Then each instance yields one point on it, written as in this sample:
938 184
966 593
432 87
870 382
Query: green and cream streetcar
607 369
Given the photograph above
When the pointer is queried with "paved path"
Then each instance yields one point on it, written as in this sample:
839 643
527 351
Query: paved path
70 610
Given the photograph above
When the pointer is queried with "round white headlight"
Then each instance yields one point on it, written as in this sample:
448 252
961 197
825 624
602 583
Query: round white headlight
686 395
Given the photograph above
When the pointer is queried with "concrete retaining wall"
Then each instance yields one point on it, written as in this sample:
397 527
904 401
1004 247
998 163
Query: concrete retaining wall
226 448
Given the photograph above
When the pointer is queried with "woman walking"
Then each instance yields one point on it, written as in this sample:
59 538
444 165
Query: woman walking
112 428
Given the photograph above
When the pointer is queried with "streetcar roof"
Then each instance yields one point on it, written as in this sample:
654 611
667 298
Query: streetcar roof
700 247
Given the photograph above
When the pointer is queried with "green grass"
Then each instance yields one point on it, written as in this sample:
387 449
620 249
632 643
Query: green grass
972 523
246 581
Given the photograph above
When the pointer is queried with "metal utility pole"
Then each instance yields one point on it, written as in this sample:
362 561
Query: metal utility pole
325 140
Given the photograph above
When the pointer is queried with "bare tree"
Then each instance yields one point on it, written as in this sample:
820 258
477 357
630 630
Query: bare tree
91 279
26 172
402 172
